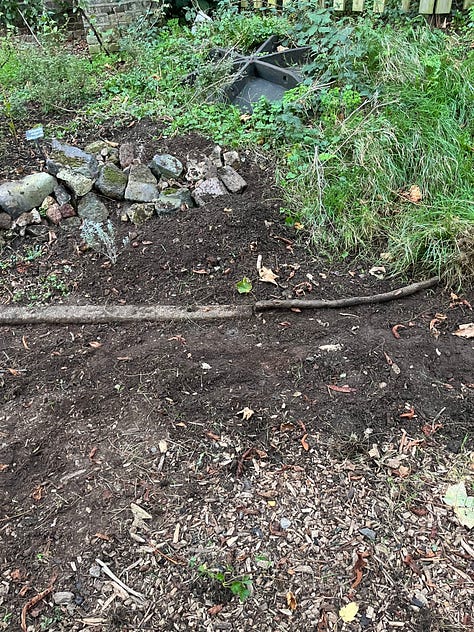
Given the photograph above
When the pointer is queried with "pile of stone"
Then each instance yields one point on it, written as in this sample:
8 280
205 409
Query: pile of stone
77 182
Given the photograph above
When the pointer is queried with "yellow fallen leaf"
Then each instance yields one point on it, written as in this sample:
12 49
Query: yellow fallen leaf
414 193
291 600
348 613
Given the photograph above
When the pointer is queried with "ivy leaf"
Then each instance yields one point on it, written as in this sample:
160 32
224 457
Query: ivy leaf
244 286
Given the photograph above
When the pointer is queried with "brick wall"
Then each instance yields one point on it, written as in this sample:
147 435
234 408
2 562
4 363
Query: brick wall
110 18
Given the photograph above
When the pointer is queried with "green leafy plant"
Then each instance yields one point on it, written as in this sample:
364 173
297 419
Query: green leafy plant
239 585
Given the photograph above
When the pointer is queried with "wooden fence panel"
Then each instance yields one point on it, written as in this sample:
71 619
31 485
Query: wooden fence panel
425 7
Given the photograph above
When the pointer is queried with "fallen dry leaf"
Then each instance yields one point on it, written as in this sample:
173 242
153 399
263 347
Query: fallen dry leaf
213 610
418 511
341 389
37 493
304 443
395 329
457 301
414 194
403 471
409 561
212 435
409 414
103 536
267 275
429 430
291 600
246 413
465 331
15 575
95 345
14 372
3 467
359 566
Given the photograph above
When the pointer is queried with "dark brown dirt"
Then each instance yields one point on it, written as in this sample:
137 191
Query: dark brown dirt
84 408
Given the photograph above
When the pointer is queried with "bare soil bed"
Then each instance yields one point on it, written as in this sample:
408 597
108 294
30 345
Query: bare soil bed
300 457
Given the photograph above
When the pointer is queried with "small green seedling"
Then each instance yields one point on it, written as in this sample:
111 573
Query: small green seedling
240 585
244 286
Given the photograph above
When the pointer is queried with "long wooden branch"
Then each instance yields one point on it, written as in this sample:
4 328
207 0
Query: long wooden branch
407 290
96 314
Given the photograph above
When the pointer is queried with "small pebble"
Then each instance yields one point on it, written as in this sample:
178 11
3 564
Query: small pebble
63 598
368 533
94 571
285 523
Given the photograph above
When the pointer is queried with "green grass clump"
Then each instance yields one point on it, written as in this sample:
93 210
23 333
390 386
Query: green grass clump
416 128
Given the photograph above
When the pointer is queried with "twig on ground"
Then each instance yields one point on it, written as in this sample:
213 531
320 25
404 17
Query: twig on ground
402 292
118 581
34 600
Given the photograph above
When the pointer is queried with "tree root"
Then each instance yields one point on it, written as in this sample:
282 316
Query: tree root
96 314
408 290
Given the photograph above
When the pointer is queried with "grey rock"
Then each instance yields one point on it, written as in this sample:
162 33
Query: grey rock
130 154
79 184
46 203
232 180
140 213
5 221
70 224
231 158
174 200
25 219
63 598
23 195
90 207
166 165
54 214
142 185
216 156
94 571
67 210
211 188
368 533
112 181
61 194
72 158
